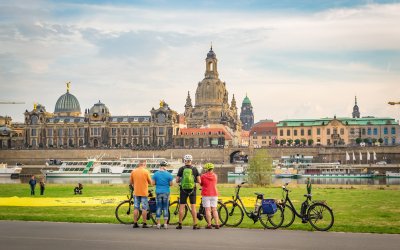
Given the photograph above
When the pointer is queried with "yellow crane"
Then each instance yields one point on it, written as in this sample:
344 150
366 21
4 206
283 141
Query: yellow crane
393 103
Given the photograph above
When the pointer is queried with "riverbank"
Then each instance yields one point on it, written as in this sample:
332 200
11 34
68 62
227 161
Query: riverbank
373 209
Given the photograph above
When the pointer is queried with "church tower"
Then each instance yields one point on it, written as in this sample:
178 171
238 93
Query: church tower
246 114
211 100
356 110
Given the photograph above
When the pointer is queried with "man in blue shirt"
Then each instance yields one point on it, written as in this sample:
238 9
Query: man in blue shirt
163 180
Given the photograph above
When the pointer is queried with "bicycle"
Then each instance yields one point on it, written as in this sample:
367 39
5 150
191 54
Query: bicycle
201 214
236 210
124 210
315 212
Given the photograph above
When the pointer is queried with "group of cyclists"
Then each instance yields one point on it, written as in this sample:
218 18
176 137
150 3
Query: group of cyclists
187 178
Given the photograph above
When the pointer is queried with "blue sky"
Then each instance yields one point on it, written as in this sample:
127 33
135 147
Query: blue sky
294 59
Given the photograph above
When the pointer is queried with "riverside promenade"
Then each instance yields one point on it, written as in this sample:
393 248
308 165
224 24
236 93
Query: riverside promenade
67 236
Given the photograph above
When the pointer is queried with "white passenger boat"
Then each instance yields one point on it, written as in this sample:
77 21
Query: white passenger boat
7 171
390 174
93 168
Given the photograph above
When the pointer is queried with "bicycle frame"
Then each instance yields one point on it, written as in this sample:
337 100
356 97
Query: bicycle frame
287 199
236 198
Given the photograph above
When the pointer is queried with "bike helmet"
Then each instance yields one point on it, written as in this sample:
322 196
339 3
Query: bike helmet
208 166
163 163
188 158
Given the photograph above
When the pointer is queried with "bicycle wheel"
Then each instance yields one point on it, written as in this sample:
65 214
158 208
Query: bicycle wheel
271 221
222 215
173 211
320 216
288 216
235 214
124 212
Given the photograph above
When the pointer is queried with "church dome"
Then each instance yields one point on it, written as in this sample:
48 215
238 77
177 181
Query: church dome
67 103
246 100
211 54
99 109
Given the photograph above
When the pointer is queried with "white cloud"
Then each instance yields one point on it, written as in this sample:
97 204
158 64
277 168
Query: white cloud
130 57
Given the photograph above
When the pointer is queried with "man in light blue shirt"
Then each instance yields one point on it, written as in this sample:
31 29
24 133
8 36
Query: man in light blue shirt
163 180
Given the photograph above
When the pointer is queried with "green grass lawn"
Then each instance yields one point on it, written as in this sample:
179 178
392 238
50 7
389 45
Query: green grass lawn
373 209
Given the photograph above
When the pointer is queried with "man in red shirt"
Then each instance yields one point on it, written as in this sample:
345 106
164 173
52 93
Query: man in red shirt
210 194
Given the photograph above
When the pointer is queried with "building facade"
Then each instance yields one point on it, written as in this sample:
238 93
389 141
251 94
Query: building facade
263 134
66 128
246 114
339 131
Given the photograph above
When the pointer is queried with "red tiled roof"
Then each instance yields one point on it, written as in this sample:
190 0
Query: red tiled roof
264 127
205 131
245 133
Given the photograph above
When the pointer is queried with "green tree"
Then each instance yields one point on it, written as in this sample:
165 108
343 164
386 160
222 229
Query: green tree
380 140
374 140
277 142
310 142
283 142
297 141
303 141
290 141
366 140
260 168
358 140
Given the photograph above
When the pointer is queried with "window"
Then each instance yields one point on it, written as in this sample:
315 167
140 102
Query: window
161 130
254 136
60 132
135 131
288 132
264 137
50 132
145 131
124 131
33 132
302 132
352 131
295 132
309 132
50 142
82 132
393 141
369 131
70 132
318 131
281 132
385 131
363 131
342 131
334 131
34 120
393 130
375 131
113 131
328 131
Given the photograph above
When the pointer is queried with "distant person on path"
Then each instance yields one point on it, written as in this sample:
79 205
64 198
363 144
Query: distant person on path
187 177
42 186
209 194
163 180
140 180
32 183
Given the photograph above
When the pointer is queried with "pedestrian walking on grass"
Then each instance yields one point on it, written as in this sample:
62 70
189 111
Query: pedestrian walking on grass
140 180
32 183
163 180
42 186
209 194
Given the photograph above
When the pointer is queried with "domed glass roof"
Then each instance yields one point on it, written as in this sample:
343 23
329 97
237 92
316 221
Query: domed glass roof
67 103
246 100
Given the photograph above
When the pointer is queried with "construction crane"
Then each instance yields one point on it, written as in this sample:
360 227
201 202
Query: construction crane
393 103
2 102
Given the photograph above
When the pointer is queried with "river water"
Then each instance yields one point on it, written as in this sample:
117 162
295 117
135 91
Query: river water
222 179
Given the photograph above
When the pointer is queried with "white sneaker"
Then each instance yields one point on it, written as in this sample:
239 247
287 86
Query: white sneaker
158 226
165 226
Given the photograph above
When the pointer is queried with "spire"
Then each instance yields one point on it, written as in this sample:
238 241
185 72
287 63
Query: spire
233 103
211 47
355 100
188 101
356 109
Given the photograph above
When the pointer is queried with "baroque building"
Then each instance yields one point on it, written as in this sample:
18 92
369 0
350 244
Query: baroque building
66 128
246 114
211 100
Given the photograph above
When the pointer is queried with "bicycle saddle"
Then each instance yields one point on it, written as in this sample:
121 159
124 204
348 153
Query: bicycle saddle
308 195
258 194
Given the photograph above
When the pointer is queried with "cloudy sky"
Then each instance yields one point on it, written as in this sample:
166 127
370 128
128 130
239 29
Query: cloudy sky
294 59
